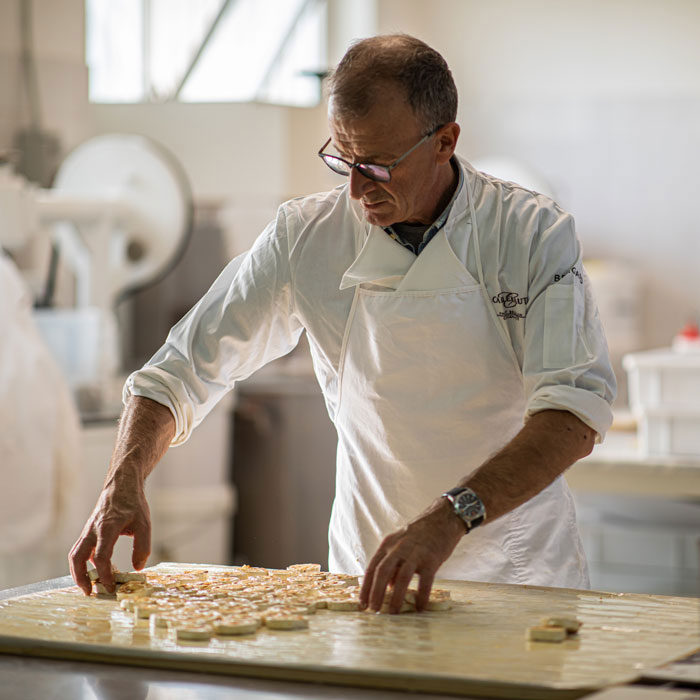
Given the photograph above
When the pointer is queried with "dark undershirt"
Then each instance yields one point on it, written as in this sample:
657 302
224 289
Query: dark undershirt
412 233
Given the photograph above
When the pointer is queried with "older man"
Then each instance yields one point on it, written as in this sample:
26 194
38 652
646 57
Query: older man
452 332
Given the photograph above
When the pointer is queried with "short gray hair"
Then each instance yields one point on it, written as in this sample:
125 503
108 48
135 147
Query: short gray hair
399 59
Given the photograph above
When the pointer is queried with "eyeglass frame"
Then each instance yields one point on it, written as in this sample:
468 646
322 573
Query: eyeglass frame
359 166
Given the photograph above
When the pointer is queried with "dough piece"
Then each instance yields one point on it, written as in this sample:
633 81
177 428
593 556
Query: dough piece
194 633
287 622
343 604
440 594
546 634
281 573
159 620
334 585
234 626
103 592
306 607
127 576
246 571
405 607
143 612
570 624
93 575
135 588
436 604
305 568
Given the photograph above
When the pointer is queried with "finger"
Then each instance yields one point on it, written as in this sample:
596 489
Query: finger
425 585
102 559
142 545
368 579
402 578
382 575
77 561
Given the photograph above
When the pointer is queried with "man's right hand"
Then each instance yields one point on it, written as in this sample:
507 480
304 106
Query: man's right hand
146 429
121 510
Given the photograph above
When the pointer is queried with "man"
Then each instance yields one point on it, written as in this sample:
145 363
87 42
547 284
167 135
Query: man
452 331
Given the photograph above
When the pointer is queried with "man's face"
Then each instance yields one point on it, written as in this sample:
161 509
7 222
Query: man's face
385 134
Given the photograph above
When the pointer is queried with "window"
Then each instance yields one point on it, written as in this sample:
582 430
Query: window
206 50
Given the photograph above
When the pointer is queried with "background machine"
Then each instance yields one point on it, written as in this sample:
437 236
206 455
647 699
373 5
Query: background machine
118 218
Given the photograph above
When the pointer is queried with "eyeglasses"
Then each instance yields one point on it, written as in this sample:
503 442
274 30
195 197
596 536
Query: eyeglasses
380 173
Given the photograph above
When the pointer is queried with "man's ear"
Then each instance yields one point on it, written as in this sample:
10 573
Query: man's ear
446 139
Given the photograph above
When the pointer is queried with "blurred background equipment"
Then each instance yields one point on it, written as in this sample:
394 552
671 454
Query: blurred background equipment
664 395
119 215
119 218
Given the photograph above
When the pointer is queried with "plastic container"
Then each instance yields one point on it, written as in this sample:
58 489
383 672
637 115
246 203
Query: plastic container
663 379
663 431
664 394
688 339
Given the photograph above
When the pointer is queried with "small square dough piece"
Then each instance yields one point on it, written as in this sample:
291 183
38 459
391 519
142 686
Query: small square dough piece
546 634
570 624
103 592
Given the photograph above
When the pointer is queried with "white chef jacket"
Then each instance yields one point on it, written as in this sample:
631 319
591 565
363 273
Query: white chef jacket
290 282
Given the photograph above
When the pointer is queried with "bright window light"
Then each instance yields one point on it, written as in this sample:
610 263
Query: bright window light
206 50
114 50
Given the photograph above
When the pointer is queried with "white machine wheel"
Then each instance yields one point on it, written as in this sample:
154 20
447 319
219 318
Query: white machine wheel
149 179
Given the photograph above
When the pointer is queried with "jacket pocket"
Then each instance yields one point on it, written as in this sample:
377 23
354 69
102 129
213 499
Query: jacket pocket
563 311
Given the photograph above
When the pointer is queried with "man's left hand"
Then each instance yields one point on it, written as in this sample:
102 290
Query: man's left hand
418 548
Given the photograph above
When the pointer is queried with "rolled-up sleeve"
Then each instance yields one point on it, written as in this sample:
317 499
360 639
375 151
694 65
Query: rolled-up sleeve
566 364
245 320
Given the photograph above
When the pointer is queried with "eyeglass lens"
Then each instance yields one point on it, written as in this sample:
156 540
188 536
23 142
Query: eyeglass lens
374 172
336 164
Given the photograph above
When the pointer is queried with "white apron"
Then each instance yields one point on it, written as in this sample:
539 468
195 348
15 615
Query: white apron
429 388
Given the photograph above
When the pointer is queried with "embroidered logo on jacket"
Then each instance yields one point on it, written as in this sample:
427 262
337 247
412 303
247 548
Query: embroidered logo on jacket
510 300
574 271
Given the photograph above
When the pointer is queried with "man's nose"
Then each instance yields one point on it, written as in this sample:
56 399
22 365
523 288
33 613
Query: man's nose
359 184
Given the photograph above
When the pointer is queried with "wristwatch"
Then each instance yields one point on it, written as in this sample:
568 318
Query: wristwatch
467 506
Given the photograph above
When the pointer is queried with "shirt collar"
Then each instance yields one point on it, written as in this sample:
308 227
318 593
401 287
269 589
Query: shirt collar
439 222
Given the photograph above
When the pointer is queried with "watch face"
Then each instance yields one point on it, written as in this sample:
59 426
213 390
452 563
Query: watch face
469 505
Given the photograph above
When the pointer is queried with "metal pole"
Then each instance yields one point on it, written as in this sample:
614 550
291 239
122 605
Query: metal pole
193 63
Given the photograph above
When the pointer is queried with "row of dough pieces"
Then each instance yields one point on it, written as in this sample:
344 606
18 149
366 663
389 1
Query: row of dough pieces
199 604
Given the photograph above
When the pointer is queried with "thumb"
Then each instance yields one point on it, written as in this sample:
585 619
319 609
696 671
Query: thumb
142 545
